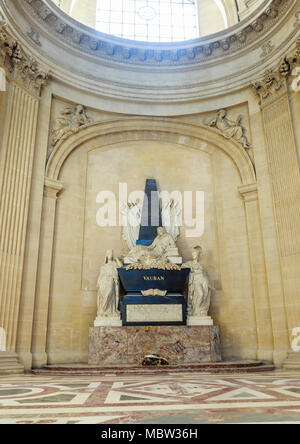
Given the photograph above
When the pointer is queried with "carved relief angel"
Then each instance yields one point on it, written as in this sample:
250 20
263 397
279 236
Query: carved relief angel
70 120
229 128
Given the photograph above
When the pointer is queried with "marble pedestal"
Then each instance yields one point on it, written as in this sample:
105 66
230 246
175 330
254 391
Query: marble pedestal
107 322
199 320
179 344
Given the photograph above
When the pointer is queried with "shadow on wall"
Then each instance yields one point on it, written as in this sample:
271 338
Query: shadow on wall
2 340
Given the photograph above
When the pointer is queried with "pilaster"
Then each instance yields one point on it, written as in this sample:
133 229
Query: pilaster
25 82
39 338
258 273
283 168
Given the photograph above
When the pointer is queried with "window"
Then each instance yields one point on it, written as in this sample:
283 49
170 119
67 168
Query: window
148 20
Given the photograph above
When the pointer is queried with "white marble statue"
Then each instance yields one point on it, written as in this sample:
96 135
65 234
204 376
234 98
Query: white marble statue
171 212
109 288
200 288
159 247
132 218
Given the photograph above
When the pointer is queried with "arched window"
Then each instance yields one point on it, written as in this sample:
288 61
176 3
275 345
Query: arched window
148 20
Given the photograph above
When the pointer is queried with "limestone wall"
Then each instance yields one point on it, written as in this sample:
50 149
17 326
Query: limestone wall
50 245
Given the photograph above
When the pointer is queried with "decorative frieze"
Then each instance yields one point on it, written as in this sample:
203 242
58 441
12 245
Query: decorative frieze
20 67
97 44
35 36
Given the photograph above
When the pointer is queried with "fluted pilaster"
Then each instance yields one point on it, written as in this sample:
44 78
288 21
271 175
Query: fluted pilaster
25 81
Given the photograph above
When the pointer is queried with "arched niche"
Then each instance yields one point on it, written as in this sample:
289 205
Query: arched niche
103 137
181 133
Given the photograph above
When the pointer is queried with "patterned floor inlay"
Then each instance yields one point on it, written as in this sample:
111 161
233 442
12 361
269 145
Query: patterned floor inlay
172 399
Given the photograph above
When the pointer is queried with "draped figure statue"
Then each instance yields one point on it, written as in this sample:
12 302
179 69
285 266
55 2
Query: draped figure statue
171 212
200 288
230 129
132 218
108 288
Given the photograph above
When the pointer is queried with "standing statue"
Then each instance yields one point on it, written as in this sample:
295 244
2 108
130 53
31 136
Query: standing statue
132 218
200 288
171 213
229 128
108 288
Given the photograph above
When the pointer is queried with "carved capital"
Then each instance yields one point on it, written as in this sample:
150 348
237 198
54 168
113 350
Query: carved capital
19 66
274 82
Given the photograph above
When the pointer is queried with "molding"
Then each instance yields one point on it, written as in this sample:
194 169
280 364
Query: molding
192 52
165 83
249 192
150 129
52 187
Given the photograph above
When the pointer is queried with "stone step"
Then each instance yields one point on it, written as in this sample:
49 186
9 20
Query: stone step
212 368
11 370
9 364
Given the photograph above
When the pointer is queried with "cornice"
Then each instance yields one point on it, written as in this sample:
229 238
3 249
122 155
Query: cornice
194 52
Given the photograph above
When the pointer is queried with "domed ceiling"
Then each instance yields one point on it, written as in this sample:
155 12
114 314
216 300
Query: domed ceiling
159 20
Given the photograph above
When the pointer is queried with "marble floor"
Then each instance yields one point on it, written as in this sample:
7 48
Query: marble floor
170 399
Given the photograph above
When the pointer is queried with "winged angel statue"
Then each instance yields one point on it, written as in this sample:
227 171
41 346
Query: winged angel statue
171 220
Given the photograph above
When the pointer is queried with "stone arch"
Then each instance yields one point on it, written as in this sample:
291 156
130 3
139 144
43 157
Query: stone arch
181 133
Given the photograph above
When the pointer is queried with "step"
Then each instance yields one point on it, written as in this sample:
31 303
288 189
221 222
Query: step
9 364
292 362
135 370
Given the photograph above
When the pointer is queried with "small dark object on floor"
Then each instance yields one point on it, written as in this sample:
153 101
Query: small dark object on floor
154 360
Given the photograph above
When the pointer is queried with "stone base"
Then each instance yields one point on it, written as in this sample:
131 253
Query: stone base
292 362
9 364
178 344
199 320
107 322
